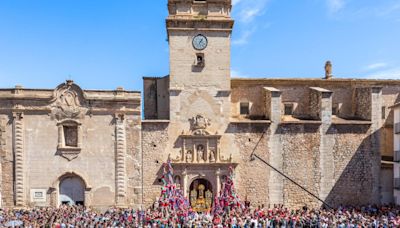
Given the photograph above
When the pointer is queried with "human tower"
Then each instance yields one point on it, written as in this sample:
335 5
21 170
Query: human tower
172 200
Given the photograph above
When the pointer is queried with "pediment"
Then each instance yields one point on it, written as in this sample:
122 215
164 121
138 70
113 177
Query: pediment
69 101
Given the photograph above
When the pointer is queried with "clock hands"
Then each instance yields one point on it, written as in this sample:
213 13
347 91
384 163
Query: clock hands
200 42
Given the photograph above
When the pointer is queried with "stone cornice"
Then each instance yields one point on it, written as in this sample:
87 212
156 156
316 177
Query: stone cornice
92 95
200 24
316 82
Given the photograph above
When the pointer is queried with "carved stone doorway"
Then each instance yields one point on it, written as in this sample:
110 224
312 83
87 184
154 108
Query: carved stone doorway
201 195
72 191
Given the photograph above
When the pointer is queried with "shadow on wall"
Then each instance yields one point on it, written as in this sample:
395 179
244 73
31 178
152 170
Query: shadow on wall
356 173
355 165
297 129
246 128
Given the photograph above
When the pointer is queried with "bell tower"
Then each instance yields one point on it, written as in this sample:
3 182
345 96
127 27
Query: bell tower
199 35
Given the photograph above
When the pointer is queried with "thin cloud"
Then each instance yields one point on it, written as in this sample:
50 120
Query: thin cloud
335 6
235 2
376 66
246 11
390 9
392 73
244 37
379 9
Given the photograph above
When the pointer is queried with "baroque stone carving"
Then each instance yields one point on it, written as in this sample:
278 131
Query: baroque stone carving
67 102
199 124
198 145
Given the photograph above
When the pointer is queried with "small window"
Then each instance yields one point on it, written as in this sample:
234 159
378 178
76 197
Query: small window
244 108
71 136
69 139
288 109
383 112
200 60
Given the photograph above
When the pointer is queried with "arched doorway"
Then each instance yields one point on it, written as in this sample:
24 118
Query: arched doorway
201 195
72 191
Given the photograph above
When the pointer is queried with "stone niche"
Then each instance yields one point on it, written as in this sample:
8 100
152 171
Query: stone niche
198 146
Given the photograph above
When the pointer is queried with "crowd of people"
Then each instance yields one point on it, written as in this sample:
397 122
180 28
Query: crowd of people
78 216
172 209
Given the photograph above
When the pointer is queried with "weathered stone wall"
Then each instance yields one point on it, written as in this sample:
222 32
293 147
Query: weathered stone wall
348 147
156 97
315 105
300 149
296 91
390 96
154 143
36 156
134 160
354 162
215 75
7 194
362 103
150 98
252 177
95 163
255 95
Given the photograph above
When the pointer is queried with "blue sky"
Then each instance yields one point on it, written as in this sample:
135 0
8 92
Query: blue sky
103 44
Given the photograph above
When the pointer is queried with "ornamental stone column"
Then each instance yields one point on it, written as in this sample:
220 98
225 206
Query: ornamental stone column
120 166
18 142
185 182
218 181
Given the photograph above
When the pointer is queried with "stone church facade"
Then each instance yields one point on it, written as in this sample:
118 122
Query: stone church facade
333 137
88 141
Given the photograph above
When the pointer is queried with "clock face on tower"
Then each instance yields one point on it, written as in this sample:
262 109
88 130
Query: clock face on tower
200 42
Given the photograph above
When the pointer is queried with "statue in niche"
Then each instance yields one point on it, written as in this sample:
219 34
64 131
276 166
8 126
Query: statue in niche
193 197
212 156
189 156
201 201
200 153
201 191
